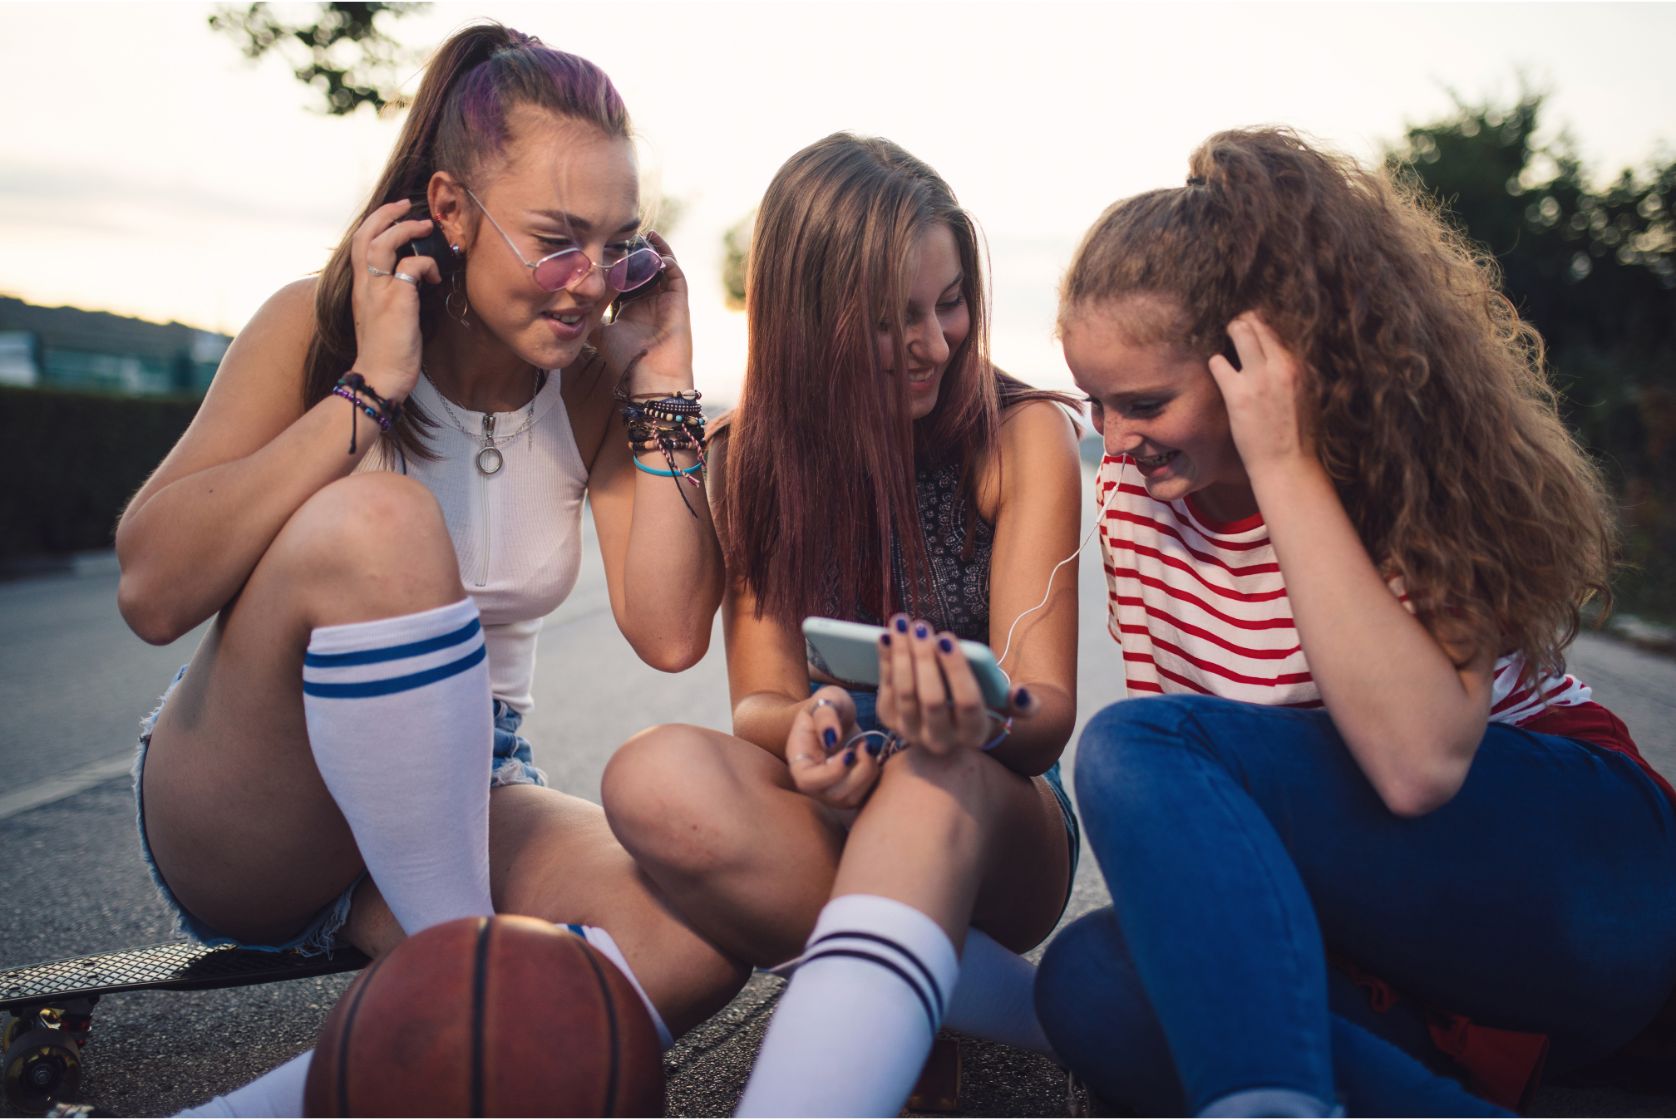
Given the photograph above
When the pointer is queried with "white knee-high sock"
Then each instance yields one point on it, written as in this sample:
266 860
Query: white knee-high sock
607 945
399 718
995 998
856 1023
279 1092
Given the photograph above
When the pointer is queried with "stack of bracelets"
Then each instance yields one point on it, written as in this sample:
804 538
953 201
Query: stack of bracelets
668 423
382 411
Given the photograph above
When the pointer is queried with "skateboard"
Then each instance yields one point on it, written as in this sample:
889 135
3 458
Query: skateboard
50 1005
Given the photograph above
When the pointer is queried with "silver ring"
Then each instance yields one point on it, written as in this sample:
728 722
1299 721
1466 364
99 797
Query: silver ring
823 702
405 278
374 270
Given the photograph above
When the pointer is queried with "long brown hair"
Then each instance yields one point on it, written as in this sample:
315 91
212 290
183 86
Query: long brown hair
1424 390
458 123
821 450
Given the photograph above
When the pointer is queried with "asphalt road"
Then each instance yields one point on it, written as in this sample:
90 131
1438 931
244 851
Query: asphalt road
74 684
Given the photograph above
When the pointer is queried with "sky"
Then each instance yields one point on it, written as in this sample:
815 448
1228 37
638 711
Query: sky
149 169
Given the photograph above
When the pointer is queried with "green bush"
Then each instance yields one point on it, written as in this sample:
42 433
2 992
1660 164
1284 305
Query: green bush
74 459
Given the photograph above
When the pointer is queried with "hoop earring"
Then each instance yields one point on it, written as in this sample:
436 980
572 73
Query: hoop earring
461 313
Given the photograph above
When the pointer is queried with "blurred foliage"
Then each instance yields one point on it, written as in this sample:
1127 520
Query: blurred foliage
352 60
344 53
736 250
1594 269
78 486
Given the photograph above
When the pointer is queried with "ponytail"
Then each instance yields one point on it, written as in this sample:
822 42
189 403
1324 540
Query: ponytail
457 123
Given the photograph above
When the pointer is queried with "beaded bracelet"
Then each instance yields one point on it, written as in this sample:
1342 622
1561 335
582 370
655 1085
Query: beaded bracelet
384 412
679 394
358 383
368 410
668 422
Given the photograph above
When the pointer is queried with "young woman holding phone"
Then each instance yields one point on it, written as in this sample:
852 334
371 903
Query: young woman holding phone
879 468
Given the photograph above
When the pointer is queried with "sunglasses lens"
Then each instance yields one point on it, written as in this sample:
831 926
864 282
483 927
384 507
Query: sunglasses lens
560 270
636 269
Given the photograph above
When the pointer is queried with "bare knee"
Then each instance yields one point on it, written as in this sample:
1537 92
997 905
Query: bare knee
964 805
676 800
367 546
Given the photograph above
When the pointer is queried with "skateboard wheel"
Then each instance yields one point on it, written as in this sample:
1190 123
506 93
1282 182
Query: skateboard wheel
41 1066
938 1089
15 1025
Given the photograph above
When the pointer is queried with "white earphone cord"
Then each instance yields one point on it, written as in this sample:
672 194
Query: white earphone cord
1002 659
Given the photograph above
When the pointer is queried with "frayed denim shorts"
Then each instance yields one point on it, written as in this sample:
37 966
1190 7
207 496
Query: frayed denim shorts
513 764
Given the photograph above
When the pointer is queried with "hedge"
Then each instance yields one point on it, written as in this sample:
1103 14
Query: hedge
73 460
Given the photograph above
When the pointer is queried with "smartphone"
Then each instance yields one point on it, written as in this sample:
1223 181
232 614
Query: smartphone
849 652
623 299
433 245
1230 351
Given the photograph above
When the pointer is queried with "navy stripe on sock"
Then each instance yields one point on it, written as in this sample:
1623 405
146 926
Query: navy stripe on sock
897 946
391 653
359 689
931 1017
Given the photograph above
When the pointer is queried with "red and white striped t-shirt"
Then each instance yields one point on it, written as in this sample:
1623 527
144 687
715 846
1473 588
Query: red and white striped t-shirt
1200 606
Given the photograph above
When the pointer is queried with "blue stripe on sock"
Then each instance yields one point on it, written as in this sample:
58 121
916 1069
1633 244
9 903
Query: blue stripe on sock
391 653
395 684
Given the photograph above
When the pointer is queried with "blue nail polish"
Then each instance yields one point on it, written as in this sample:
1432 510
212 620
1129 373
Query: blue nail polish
902 625
874 747
830 737
921 630
945 644
1021 698
849 757
884 639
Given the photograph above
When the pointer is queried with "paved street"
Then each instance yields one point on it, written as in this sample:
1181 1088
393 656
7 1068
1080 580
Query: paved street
74 683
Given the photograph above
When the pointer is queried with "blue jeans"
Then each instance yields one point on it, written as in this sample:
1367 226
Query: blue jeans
1243 843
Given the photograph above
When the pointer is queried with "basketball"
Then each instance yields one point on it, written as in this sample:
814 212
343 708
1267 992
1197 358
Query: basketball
503 1016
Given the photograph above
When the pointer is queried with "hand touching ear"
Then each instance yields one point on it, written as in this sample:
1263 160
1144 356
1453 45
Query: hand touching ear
1262 396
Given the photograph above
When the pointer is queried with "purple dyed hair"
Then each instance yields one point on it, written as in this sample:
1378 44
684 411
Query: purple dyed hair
458 124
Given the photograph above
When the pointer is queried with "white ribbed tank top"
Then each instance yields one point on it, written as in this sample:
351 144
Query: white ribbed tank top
518 532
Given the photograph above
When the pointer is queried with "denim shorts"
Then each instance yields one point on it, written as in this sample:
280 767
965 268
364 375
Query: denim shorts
512 765
867 719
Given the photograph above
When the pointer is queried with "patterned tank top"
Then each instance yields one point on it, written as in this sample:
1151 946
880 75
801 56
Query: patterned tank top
954 592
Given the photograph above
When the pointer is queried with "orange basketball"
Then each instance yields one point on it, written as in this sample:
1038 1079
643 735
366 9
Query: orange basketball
502 1016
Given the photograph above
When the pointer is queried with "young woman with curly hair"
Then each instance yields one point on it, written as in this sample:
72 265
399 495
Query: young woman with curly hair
1344 555
878 468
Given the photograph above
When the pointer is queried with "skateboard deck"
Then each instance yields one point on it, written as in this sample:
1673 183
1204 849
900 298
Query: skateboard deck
51 1004
177 966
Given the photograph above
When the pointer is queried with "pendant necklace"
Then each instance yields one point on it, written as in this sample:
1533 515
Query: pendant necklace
489 457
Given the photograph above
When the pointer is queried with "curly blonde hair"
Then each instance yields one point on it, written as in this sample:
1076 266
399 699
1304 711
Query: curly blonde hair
1424 389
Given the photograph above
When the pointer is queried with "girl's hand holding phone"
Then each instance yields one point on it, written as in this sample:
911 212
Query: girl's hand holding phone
386 298
929 696
656 328
826 759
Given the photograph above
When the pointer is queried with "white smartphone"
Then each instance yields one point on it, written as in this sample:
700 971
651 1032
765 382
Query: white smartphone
849 652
